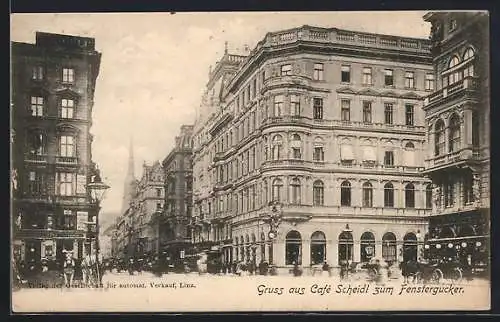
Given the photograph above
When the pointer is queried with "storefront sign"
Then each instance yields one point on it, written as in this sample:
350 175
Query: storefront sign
81 220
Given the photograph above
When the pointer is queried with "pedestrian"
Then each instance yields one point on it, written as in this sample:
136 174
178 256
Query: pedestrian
69 269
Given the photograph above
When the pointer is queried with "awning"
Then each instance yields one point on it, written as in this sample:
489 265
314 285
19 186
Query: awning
369 153
409 158
346 152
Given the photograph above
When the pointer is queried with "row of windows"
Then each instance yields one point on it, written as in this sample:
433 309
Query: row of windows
67 220
67 74
67 184
454 134
345 76
37 144
465 71
249 198
66 107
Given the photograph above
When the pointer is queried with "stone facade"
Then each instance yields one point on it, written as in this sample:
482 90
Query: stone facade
53 84
327 122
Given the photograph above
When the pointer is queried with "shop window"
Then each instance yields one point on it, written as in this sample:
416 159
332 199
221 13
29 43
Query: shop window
293 248
318 248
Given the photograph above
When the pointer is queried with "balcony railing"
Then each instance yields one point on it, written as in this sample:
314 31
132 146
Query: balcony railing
346 164
289 119
453 157
66 160
469 83
36 158
46 233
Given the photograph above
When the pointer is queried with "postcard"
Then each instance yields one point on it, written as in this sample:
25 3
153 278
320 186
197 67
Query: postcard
250 161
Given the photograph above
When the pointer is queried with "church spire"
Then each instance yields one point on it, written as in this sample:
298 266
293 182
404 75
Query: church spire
130 170
129 184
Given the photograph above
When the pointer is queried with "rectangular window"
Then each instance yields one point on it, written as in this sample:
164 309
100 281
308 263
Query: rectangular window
36 183
409 115
295 105
67 108
318 108
345 74
449 193
66 183
345 110
367 112
68 75
469 71
388 78
429 82
37 73
263 75
318 72
254 88
389 159
69 220
367 76
67 148
158 192
319 154
37 105
286 70
388 113
296 153
410 80
278 105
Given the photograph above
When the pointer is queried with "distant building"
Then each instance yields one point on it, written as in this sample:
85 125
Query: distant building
458 122
173 223
329 124
53 84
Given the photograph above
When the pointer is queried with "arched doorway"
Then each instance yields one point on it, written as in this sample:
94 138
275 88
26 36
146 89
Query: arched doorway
410 247
318 248
367 246
263 247
293 248
346 244
389 247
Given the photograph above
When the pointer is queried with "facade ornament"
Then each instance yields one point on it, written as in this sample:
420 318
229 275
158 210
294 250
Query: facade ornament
476 187
436 195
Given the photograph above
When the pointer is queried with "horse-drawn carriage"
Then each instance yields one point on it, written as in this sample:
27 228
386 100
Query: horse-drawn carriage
431 271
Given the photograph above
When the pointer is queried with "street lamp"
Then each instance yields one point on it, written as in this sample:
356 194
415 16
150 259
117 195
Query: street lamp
275 217
97 190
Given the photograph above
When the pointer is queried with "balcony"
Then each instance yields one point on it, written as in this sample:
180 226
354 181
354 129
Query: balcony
451 159
284 80
66 160
71 200
36 158
287 164
46 234
466 88
289 120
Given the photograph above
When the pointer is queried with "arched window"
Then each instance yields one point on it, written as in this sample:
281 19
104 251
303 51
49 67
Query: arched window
318 193
367 194
293 248
388 195
277 147
410 247
367 246
242 248
346 244
454 138
439 138
296 145
389 247
345 193
318 248
319 152
428 196
277 189
295 186
247 249
263 246
456 75
469 53
410 195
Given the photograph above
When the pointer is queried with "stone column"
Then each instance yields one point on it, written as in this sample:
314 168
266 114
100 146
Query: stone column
466 128
378 248
332 252
306 254
357 251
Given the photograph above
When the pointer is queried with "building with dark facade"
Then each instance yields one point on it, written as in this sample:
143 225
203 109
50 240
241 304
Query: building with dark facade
53 84
328 124
457 116
175 238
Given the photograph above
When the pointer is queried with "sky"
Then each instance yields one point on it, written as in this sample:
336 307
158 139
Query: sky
154 68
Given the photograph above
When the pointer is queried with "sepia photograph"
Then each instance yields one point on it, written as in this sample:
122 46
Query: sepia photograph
250 161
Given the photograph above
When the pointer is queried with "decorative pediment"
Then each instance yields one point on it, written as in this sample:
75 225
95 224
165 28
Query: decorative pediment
67 92
390 94
368 92
346 90
411 95
67 127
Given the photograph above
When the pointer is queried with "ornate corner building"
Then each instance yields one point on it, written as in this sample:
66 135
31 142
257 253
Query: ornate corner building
457 116
327 122
53 84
